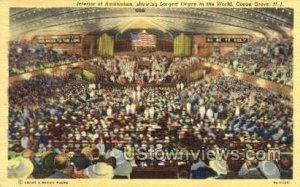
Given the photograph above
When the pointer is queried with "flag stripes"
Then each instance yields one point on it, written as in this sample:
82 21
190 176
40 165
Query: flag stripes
144 40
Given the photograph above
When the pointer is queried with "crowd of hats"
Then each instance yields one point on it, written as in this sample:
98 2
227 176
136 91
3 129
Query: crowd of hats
27 57
231 168
213 112
85 163
271 60
89 163
147 69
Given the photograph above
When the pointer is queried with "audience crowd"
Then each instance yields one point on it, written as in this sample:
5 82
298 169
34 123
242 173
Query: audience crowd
271 60
26 57
143 69
59 128
62 128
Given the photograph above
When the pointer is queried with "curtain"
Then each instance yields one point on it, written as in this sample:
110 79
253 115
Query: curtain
106 45
182 45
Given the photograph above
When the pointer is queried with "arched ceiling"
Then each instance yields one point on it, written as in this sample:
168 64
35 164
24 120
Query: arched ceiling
258 22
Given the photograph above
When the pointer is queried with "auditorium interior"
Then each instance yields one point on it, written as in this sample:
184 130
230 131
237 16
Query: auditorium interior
114 92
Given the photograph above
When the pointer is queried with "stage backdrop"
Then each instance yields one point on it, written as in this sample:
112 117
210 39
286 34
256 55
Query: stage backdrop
105 45
182 45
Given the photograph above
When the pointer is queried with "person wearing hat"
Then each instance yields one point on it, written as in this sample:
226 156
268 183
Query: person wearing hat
62 167
20 167
123 170
100 170
269 169
218 166
48 162
80 162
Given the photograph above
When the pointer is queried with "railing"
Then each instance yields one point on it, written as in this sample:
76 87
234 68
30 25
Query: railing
257 81
107 84
193 72
191 142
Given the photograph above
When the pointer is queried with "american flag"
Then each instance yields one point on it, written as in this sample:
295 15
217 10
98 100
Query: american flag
143 40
